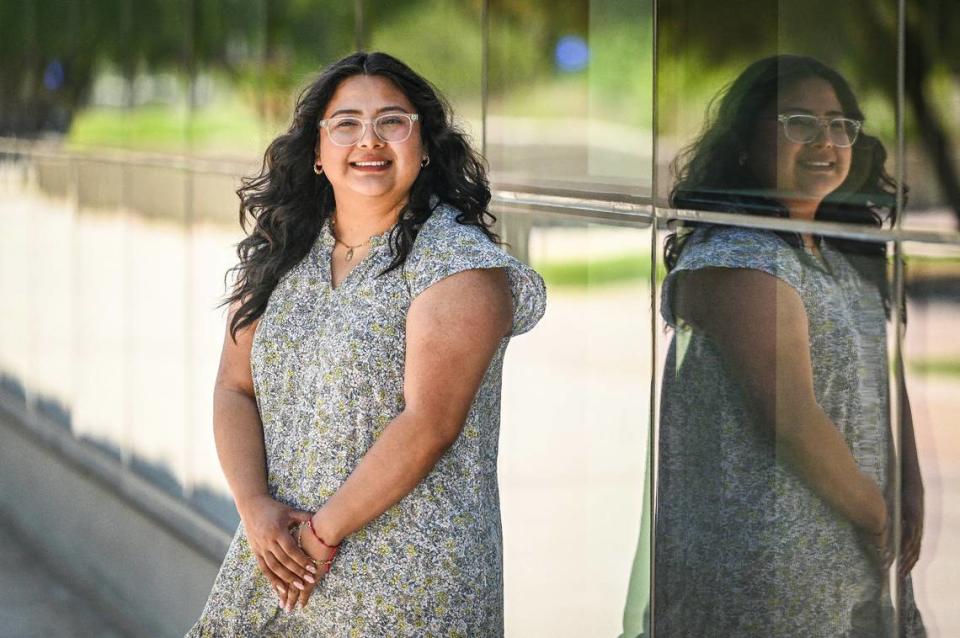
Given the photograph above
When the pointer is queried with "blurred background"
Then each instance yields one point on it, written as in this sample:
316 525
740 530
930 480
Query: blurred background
125 126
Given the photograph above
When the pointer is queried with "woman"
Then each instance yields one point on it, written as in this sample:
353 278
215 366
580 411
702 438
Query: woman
357 404
775 457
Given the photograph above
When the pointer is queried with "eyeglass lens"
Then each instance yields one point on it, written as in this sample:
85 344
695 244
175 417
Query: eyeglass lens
389 128
804 129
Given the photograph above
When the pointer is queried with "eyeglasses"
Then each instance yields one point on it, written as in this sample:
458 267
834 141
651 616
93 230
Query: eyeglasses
389 127
804 129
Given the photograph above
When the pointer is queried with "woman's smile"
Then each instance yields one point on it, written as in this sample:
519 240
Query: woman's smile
368 165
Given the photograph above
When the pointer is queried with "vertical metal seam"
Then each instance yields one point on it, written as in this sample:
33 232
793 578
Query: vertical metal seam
652 430
484 72
126 298
896 420
189 375
359 24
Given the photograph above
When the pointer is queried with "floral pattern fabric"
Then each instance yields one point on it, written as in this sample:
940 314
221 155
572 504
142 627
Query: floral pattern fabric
328 370
743 546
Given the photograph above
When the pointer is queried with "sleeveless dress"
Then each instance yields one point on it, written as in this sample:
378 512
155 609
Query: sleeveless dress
743 546
328 370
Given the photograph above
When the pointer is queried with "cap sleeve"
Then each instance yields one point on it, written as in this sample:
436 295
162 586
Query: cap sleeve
445 247
732 247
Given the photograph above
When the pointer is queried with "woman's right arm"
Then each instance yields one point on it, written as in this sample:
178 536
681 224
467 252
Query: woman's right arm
760 326
238 433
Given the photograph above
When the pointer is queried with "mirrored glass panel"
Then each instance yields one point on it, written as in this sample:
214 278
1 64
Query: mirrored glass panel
451 58
101 292
210 252
39 221
16 252
932 112
137 92
768 111
776 460
228 90
931 354
301 37
574 433
569 103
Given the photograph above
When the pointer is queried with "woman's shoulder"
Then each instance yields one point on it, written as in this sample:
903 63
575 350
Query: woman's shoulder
443 227
444 246
722 237
735 246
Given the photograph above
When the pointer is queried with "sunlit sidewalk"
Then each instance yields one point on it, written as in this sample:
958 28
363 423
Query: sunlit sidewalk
34 603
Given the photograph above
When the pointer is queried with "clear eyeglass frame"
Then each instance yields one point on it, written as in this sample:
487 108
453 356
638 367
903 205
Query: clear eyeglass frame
375 122
839 137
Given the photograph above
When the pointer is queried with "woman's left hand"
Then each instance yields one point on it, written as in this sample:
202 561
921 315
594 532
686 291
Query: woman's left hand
319 553
911 511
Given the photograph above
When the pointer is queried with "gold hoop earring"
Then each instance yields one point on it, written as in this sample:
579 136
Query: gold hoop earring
425 162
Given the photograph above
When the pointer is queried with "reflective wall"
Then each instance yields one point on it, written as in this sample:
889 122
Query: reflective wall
126 127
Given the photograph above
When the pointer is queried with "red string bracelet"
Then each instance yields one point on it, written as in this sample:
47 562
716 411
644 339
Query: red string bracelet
335 548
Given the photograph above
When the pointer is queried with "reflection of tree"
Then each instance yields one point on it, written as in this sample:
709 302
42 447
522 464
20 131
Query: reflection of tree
859 38
920 55
50 50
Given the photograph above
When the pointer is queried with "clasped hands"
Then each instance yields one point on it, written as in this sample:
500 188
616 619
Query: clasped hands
911 519
290 556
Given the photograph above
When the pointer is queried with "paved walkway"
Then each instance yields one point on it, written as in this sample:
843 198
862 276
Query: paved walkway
35 604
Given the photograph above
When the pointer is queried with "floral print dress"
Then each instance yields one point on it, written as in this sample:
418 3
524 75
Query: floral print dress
328 369
743 546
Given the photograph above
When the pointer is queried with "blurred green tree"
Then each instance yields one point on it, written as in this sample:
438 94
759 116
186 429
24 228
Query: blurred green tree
859 38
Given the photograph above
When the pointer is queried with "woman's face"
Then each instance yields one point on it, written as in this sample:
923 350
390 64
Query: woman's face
800 173
370 168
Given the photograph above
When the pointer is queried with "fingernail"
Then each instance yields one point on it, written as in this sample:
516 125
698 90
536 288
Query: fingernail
299 605
309 579
311 569
298 585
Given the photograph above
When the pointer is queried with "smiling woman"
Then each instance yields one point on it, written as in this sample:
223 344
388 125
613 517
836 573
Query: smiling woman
776 490
364 471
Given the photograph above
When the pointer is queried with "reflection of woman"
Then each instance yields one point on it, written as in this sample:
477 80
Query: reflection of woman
359 402
775 439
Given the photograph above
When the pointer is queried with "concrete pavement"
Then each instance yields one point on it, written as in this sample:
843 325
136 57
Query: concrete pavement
36 603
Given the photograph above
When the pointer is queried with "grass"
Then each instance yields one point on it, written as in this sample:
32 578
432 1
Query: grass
935 367
225 127
929 267
596 272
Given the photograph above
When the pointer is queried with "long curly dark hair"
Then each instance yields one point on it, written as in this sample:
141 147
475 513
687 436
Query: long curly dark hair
288 203
710 177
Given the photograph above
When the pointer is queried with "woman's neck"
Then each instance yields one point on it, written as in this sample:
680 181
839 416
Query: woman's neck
357 221
806 210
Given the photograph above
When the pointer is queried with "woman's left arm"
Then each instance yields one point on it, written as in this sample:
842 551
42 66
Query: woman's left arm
453 330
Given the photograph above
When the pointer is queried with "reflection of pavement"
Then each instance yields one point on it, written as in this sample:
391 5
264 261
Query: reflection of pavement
936 406
34 603
935 400
572 452
575 414
936 579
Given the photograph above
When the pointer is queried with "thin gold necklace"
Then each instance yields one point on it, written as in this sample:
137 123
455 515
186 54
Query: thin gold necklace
350 248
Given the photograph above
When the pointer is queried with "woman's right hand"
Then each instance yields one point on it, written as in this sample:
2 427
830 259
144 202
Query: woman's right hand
877 528
267 525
